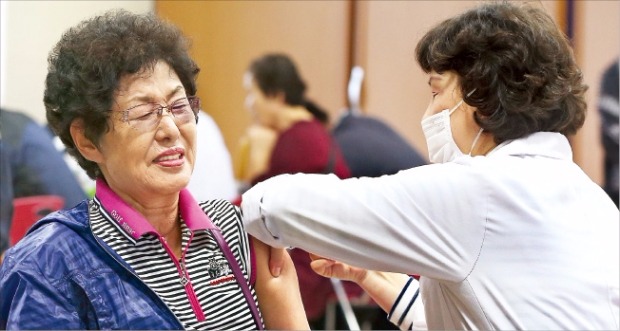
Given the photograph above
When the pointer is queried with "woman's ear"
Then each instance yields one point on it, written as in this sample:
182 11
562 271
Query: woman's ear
87 148
280 96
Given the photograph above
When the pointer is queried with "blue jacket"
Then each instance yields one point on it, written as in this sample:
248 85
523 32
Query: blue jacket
60 276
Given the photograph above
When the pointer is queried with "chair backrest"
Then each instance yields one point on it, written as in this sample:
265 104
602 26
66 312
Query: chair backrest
28 210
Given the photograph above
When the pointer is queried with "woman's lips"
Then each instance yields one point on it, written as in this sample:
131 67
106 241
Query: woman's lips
170 158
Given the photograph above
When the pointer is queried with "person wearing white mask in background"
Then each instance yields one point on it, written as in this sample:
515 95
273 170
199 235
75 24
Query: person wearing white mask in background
505 230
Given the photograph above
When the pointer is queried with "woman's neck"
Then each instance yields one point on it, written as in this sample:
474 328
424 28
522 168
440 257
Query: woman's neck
485 144
291 115
164 218
159 209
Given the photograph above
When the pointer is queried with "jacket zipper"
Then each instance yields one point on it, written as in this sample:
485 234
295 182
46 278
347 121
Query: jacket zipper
185 279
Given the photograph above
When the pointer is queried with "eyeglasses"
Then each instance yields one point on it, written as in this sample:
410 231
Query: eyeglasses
146 116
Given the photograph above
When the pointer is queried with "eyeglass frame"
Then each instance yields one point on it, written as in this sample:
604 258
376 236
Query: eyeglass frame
194 104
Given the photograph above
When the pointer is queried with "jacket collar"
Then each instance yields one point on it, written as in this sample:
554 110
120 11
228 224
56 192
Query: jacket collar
135 225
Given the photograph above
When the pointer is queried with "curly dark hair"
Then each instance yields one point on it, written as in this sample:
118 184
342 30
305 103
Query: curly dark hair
520 66
274 73
85 67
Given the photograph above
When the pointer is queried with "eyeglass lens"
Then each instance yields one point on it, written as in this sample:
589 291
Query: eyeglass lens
147 116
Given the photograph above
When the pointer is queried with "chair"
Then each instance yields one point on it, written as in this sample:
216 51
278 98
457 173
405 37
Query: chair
28 210
358 313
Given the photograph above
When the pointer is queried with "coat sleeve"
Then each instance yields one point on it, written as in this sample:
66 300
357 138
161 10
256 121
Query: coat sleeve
428 220
29 301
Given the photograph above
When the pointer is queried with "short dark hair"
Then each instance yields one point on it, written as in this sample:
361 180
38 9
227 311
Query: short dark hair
274 73
86 65
520 66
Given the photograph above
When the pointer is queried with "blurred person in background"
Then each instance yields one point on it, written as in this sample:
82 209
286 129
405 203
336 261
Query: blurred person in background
142 254
300 142
213 176
32 166
6 198
38 168
370 146
609 108
505 230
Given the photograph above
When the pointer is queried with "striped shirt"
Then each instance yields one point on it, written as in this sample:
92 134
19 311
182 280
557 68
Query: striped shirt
199 288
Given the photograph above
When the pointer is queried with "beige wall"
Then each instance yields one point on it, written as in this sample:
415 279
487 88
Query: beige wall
29 31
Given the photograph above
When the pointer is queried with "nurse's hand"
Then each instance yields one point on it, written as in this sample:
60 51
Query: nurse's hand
383 287
334 269
276 260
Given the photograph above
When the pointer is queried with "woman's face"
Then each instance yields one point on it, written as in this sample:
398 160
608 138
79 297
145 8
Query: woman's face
446 94
140 162
262 108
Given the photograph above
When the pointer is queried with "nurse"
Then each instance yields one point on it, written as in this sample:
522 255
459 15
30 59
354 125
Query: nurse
505 230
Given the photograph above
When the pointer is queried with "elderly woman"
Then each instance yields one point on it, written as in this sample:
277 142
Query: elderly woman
505 230
143 254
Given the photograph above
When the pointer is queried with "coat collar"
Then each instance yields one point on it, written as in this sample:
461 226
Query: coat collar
546 144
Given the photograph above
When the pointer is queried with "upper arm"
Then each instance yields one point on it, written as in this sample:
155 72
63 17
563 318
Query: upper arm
278 298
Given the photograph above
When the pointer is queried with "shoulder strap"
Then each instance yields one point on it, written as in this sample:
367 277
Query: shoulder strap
238 276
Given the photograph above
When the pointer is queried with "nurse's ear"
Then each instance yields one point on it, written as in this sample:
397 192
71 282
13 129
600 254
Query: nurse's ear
85 146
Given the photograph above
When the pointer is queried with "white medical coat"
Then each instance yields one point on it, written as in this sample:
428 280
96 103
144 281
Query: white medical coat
518 239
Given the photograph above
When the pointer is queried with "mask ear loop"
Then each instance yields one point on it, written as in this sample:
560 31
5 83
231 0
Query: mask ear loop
455 107
473 144
460 102
475 141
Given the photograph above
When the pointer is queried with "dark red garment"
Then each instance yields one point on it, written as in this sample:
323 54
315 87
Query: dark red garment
308 147
305 147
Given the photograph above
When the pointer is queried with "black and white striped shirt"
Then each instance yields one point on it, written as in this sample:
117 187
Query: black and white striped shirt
208 297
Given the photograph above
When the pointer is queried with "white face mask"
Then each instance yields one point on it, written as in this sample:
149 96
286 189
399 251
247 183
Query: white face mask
438 133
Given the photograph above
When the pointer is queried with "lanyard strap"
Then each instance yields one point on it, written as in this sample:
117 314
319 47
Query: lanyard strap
239 276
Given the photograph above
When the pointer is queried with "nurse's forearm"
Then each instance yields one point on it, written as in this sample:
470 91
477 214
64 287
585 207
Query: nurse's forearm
383 287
